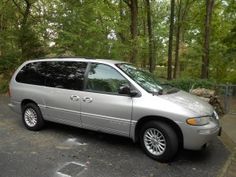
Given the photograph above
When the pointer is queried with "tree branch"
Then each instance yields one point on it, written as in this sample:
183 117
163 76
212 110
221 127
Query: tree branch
128 3
18 7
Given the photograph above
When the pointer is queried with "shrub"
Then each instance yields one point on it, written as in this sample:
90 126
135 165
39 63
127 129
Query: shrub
187 84
3 86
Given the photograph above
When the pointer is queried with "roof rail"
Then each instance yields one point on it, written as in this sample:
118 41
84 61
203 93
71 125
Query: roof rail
56 57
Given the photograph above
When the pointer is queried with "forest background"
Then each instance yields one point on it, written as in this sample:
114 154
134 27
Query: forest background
186 41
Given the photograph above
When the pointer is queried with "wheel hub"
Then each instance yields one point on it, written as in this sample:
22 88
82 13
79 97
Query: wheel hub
154 141
30 117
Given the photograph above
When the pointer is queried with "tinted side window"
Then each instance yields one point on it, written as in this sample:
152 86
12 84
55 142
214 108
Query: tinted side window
32 73
103 78
66 75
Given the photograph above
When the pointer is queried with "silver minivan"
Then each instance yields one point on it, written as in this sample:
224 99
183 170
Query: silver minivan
113 97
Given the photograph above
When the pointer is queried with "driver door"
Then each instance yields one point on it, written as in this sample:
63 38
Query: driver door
102 107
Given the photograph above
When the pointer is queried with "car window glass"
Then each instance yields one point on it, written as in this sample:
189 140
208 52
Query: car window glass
66 75
32 73
104 78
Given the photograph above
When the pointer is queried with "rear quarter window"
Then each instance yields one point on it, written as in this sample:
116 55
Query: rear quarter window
32 73
59 74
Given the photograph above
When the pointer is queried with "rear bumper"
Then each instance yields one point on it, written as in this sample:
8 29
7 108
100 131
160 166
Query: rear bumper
15 106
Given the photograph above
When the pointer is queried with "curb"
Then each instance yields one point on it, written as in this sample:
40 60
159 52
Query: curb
229 168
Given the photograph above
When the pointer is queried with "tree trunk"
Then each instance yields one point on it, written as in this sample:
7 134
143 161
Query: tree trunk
120 33
134 30
133 5
144 34
1 30
169 67
205 57
24 30
178 30
183 10
150 37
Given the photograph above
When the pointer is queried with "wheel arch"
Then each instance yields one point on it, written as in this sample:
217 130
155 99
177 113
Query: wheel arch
168 121
26 101
38 117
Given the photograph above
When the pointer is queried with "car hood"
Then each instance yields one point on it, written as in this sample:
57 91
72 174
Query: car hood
191 102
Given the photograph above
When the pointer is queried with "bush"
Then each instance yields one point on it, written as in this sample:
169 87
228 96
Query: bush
187 84
3 86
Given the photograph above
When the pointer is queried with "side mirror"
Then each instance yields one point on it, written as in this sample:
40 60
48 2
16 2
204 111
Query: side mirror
125 89
133 93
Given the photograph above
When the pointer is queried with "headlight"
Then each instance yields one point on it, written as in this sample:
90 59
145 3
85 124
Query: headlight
198 121
215 115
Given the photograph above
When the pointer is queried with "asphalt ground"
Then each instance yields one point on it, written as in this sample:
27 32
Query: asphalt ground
64 151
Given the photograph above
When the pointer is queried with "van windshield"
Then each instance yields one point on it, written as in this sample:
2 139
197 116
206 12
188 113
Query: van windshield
146 80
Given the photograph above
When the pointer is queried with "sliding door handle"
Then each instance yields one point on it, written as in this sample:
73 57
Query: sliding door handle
74 98
87 99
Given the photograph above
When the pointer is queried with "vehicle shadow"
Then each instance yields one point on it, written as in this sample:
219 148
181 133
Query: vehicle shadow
126 144
88 135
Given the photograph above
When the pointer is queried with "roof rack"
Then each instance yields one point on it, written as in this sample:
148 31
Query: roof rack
56 57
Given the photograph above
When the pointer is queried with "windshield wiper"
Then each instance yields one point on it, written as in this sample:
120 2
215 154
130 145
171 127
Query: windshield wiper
159 92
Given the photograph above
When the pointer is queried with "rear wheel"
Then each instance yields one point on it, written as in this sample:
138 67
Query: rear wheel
159 141
32 117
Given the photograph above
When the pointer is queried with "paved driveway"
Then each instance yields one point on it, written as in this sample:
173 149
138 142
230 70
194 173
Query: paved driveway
63 151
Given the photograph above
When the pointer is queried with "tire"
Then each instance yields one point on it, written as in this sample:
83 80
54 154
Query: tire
163 146
32 117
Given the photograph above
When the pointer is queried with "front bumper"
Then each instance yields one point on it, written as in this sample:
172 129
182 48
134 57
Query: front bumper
196 137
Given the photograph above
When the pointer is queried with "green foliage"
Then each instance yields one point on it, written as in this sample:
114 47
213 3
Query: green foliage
101 29
187 84
8 64
3 86
29 40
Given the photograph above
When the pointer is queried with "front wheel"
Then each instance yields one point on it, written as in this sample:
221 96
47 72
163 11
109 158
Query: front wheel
159 141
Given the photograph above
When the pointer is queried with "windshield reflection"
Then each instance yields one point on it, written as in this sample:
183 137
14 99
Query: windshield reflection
146 80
